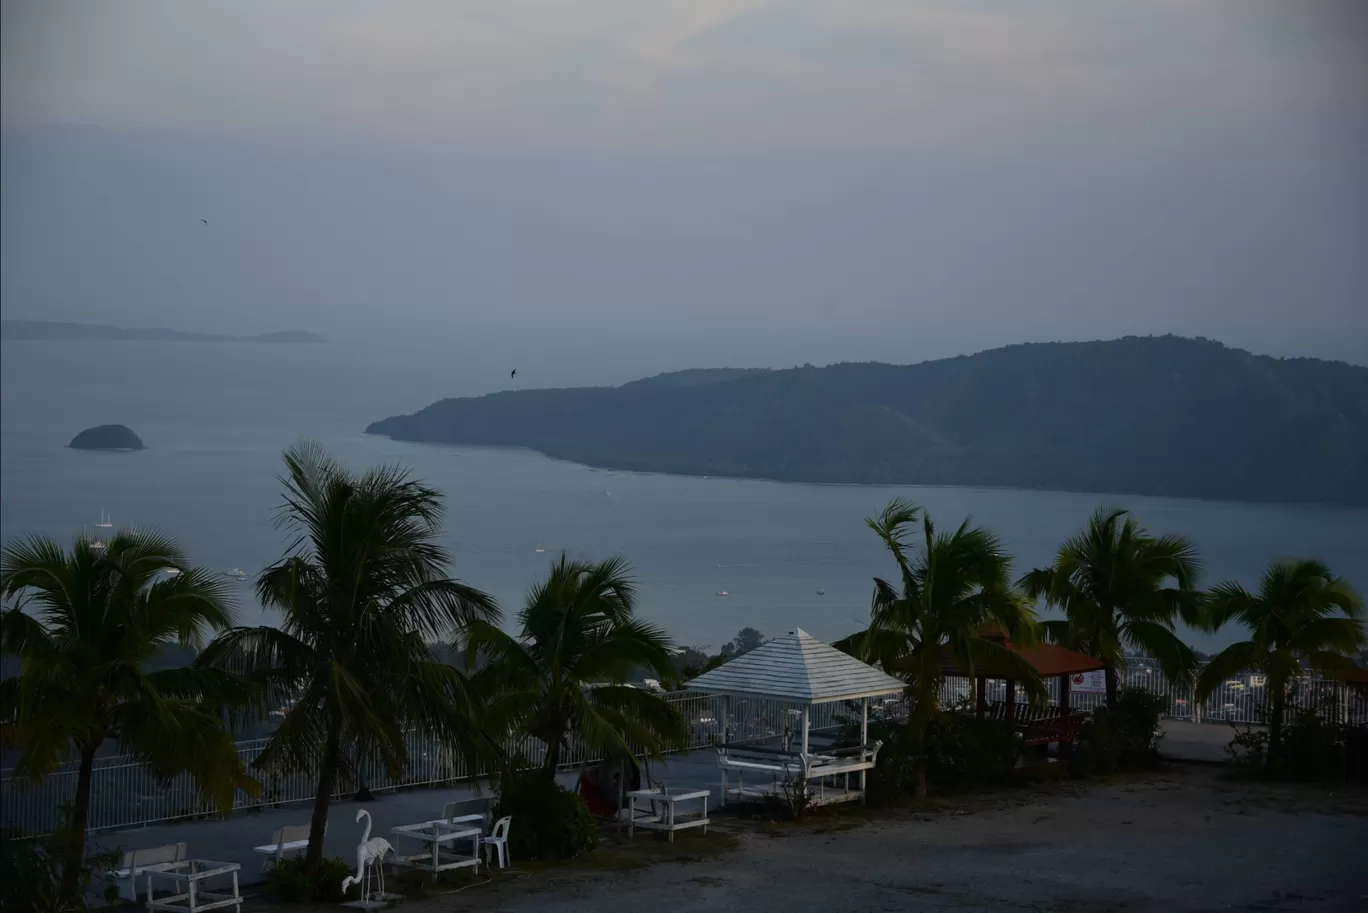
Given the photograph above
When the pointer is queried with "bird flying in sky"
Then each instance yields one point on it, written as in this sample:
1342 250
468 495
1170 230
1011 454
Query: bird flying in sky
513 373
205 221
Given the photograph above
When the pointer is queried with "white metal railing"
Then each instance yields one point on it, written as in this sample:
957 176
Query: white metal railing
124 793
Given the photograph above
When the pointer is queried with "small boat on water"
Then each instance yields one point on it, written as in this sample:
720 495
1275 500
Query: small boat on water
821 592
171 571
721 592
105 521
539 548
236 573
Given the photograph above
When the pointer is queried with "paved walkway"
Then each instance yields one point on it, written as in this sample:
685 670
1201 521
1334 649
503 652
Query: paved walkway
1184 741
231 840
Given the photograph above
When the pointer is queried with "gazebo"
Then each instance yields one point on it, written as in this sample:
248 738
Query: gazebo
1357 678
1039 726
799 674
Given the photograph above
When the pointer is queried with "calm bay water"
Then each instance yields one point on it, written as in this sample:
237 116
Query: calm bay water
215 418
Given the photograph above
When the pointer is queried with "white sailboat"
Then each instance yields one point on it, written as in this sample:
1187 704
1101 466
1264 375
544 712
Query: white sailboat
236 573
539 548
105 521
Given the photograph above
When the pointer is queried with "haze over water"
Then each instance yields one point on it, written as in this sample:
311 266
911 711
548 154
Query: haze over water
215 418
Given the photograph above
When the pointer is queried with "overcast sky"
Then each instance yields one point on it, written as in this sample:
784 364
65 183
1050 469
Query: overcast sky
694 180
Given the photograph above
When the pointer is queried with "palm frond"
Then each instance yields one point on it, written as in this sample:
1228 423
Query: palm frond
1158 640
1235 659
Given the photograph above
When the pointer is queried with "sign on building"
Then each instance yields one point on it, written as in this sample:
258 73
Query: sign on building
1089 682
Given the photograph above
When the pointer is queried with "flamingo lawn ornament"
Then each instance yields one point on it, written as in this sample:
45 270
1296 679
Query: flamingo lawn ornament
370 853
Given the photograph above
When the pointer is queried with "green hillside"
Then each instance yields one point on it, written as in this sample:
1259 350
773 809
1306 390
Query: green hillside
1155 415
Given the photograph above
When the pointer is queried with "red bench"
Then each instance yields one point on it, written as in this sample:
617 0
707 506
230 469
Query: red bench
1039 725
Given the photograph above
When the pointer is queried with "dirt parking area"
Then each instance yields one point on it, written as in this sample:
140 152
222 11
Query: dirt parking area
1182 840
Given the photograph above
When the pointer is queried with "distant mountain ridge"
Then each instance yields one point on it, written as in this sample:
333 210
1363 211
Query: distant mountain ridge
59 330
1153 416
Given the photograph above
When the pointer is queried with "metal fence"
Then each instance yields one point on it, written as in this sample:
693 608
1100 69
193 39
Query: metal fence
124 793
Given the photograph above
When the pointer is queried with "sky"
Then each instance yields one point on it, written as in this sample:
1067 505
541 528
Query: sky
693 182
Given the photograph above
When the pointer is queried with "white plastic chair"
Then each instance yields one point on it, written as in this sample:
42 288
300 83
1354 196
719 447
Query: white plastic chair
498 840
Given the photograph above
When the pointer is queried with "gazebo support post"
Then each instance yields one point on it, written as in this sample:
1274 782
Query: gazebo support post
864 743
726 732
1011 701
1064 747
981 696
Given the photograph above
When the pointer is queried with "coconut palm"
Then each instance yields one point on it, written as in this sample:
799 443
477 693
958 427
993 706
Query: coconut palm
1302 617
566 673
85 625
362 591
953 596
1121 587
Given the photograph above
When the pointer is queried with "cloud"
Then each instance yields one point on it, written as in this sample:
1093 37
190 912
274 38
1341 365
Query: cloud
669 74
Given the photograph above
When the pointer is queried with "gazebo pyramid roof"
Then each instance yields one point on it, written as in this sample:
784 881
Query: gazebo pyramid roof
800 668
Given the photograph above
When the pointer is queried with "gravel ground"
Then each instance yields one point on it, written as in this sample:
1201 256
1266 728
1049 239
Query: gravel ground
1183 840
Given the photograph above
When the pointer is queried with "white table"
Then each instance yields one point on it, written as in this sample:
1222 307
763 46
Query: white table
192 896
669 822
439 839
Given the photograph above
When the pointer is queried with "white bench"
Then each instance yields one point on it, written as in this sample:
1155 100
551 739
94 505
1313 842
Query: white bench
289 839
139 862
470 810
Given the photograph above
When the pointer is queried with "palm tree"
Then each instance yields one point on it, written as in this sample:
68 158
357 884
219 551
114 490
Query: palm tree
1121 587
85 625
953 595
1302 617
567 671
362 592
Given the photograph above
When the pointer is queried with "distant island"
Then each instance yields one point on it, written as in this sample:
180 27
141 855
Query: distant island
107 437
56 330
1151 416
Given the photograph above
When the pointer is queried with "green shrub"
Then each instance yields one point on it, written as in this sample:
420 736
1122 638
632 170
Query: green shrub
549 821
31 873
1248 752
1315 747
1126 738
288 882
962 752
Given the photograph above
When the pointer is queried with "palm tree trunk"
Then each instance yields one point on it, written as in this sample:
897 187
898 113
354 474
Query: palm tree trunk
80 816
327 780
1275 726
1109 671
920 721
553 739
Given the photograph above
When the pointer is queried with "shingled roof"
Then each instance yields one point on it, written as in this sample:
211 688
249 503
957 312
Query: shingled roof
800 668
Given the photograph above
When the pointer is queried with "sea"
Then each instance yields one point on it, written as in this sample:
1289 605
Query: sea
216 417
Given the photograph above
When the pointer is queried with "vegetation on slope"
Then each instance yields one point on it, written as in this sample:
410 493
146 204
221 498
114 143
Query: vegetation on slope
1156 415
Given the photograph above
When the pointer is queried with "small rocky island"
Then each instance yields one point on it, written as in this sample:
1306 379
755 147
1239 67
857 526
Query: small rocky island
107 437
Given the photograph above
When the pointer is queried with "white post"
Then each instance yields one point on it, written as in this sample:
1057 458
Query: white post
864 741
726 738
807 709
